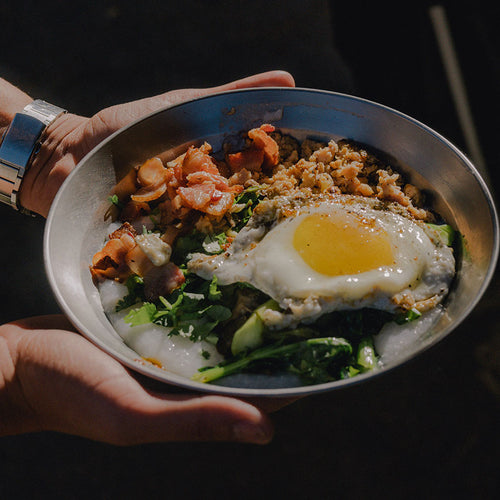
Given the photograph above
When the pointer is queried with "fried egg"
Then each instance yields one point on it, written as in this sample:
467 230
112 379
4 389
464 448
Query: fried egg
339 253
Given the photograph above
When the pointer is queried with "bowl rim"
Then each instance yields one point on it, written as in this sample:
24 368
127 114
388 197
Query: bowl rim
185 383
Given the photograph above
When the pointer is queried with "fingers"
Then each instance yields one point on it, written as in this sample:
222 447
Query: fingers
50 321
69 385
192 418
268 79
111 119
71 136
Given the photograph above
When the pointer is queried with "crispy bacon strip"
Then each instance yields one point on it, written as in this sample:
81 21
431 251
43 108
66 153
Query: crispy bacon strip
192 181
221 205
202 187
125 229
266 143
134 209
198 196
220 182
151 173
196 160
149 193
251 159
263 153
137 261
109 263
153 178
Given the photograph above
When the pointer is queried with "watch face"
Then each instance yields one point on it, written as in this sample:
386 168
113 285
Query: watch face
19 143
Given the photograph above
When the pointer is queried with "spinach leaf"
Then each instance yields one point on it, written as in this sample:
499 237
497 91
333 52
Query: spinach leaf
135 287
246 202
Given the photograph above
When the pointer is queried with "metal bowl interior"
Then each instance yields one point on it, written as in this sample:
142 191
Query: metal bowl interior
77 222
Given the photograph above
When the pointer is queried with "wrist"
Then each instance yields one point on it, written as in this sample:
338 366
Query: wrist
56 157
19 146
13 101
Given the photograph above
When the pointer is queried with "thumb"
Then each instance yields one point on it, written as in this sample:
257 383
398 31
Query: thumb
190 418
113 118
71 386
268 79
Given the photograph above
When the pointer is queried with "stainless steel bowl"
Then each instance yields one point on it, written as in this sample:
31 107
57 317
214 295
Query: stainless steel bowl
77 223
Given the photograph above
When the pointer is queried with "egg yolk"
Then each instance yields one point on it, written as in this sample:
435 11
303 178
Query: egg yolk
340 244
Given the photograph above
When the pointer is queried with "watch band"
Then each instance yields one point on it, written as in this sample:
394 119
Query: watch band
20 143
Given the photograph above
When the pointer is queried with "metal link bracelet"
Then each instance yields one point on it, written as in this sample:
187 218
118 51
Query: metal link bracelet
20 144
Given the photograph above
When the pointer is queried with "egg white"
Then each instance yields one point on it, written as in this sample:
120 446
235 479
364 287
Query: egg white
267 259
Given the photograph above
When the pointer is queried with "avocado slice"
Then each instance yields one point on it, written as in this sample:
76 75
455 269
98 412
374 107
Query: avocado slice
250 335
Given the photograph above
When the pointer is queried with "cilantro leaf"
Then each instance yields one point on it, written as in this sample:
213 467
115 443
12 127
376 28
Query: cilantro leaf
142 315
114 200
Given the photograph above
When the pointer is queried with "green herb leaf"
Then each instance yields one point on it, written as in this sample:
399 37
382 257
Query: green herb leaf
214 294
135 287
312 359
115 201
407 316
214 243
141 316
249 199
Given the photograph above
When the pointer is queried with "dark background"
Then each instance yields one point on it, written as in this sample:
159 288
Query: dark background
426 430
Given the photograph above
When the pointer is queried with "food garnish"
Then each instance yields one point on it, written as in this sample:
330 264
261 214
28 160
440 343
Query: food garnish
279 257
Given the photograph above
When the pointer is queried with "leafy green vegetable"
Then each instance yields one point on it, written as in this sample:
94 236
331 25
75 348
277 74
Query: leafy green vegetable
193 310
407 316
312 359
187 244
366 358
197 242
246 201
214 294
135 287
144 314
115 201
214 243
445 233
349 371
352 324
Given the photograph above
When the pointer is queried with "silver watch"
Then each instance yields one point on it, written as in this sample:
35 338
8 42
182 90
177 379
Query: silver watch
20 144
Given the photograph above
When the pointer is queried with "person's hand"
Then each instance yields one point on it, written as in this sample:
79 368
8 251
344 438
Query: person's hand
53 379
71 137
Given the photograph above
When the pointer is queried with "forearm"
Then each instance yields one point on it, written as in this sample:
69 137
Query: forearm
57 156
12 101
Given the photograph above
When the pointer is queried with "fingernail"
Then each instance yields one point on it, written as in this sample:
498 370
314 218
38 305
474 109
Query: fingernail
251 433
